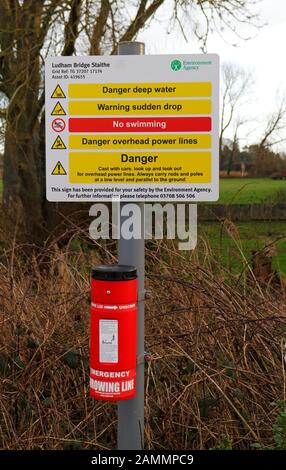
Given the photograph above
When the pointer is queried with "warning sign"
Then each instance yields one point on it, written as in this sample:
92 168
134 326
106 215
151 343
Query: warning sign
150 90
58 92
137 128
152 168
119 107
59 170
58 125
58 110
58 144
123 141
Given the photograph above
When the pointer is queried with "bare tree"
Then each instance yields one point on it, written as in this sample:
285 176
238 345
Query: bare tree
234 150
236 84
33 29
266 160
274 131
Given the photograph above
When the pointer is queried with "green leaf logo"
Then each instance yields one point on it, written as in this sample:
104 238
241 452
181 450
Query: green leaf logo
176 65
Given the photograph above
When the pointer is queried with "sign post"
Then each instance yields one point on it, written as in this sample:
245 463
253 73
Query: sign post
131 252
132 129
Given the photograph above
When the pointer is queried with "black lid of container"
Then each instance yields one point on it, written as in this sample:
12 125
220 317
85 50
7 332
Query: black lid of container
114 272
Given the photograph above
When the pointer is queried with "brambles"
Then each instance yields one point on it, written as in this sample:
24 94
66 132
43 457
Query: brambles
215 343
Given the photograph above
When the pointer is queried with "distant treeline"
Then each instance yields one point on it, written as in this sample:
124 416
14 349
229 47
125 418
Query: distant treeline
255 160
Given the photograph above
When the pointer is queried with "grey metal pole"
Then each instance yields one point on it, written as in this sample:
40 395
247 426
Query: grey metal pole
131 252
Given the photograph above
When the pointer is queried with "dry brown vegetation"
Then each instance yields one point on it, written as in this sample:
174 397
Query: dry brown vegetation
216 344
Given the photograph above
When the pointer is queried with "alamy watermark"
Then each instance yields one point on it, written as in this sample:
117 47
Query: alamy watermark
145 220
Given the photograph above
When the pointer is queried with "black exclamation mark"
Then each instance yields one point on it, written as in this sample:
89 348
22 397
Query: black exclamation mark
59 168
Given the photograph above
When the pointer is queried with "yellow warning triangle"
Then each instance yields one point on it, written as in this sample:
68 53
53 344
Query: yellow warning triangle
58 92
58 144
59 170
58 110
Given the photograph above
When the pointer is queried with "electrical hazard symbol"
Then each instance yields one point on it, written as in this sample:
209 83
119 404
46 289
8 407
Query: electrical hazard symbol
58 144
58 110
59 170
58 92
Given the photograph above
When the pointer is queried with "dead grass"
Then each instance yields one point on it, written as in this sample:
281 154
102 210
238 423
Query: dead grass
216 347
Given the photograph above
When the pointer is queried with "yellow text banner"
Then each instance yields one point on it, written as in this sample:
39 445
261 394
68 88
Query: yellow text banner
160 141
138 167
139 90
139 107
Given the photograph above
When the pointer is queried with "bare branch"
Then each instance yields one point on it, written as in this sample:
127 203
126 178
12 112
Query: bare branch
7 34
276 123
219 15
71 28
99 27
48 17
37 109
140 19
3 113
236 83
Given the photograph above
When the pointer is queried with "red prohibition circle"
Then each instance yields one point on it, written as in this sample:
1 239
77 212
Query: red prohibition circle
58 125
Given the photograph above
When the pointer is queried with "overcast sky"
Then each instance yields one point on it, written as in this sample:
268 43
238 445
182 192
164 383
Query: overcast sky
264 54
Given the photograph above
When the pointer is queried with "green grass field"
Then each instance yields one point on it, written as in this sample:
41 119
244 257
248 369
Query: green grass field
251 191
252 235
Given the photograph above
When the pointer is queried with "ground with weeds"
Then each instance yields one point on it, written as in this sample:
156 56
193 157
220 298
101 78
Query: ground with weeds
216 379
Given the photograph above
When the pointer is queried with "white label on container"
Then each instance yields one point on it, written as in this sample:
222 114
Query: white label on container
108 341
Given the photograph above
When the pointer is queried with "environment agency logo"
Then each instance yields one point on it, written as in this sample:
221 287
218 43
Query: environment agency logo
176 65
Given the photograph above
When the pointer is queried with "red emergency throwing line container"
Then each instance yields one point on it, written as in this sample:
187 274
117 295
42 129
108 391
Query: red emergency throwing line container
113 331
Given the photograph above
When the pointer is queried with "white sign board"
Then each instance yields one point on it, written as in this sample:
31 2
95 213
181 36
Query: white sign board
135 128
